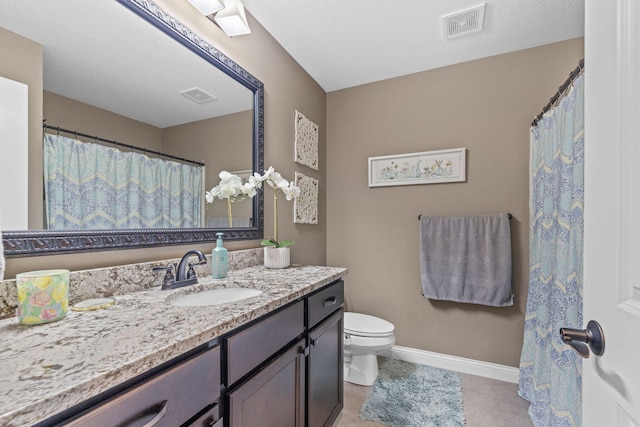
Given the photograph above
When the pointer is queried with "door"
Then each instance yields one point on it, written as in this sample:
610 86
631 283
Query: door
611 387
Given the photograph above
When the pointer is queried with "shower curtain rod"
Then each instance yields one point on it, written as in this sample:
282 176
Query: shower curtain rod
572 77
119 144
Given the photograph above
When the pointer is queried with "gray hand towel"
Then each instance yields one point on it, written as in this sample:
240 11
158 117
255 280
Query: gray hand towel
466 259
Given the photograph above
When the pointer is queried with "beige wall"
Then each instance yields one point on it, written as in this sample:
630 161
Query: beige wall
287 87
74 115
222 143
486 106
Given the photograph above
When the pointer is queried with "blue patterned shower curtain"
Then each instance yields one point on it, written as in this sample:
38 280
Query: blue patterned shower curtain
91 186
551 371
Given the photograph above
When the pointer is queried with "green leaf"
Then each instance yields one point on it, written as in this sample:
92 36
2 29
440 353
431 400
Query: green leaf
286 243
269 242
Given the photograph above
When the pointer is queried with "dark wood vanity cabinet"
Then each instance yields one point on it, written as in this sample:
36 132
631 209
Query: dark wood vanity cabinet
295 372
168 399
283 369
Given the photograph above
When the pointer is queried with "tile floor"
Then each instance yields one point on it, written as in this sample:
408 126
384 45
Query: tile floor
487 403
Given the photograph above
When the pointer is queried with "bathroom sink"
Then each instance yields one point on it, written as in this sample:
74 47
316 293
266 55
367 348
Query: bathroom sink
215 296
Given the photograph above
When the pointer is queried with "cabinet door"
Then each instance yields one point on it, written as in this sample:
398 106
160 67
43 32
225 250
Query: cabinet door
324 369
273 396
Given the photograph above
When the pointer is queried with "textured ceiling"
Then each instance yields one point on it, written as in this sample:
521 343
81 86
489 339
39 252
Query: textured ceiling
102 54
345 43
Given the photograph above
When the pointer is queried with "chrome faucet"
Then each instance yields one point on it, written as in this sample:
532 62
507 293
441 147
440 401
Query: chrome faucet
183 277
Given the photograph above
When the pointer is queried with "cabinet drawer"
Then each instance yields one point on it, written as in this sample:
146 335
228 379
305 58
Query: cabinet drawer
247 349
324 302
169 398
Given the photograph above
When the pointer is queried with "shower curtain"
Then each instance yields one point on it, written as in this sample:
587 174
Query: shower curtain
551 371
92 186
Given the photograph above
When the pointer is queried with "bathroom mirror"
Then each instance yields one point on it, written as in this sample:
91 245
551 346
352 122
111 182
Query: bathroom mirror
177 60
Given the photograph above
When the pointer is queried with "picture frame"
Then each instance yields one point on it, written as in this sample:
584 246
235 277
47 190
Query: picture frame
306 141
427 167
305 207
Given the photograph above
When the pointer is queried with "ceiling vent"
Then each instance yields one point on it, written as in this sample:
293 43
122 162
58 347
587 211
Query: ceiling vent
463 22
198 95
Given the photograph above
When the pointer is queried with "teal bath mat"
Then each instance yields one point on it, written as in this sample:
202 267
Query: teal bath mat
410 395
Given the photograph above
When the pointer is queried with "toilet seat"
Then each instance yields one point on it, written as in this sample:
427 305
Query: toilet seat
366 326
365 337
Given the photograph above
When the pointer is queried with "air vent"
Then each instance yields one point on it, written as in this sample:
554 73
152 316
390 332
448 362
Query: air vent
198 95
463 22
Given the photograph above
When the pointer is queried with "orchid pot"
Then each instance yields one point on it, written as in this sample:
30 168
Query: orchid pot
277 257
273 245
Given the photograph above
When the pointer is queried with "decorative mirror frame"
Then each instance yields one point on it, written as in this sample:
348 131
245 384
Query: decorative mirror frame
47 242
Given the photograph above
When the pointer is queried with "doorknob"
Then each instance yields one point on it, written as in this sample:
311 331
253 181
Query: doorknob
584 339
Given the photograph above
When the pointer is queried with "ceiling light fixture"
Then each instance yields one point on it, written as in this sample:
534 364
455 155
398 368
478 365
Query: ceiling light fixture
229 15
232 18
207 7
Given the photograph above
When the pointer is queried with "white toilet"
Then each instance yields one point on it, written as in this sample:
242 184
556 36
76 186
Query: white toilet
364 338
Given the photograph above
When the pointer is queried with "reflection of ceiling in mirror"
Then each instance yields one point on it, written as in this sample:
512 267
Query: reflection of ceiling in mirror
100 53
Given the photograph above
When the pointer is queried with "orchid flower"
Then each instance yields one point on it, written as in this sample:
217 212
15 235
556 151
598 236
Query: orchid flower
233 189
230 188
254 182
291 191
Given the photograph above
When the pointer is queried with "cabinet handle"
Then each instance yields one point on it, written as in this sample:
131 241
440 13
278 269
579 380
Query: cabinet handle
161 413
329 302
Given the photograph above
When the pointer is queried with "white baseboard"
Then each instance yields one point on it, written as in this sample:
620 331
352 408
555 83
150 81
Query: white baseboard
455 363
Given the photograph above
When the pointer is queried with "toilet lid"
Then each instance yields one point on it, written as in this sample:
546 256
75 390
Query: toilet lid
366 326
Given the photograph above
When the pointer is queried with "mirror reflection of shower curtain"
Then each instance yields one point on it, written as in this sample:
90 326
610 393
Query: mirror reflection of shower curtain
89 186
550 370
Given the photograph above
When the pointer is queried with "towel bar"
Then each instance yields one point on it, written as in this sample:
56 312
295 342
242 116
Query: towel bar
420 216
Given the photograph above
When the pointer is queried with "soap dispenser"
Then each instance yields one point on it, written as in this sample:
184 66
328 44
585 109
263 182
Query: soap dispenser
219 259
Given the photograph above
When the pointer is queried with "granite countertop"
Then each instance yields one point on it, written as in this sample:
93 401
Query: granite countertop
48 368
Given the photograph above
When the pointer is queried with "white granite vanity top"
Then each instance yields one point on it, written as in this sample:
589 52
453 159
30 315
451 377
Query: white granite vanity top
48 368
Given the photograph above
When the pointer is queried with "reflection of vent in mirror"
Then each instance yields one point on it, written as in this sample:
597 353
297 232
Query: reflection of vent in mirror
463 22
198 95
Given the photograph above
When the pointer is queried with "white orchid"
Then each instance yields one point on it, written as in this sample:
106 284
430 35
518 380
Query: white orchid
233 189
230 188
254 182
291 191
